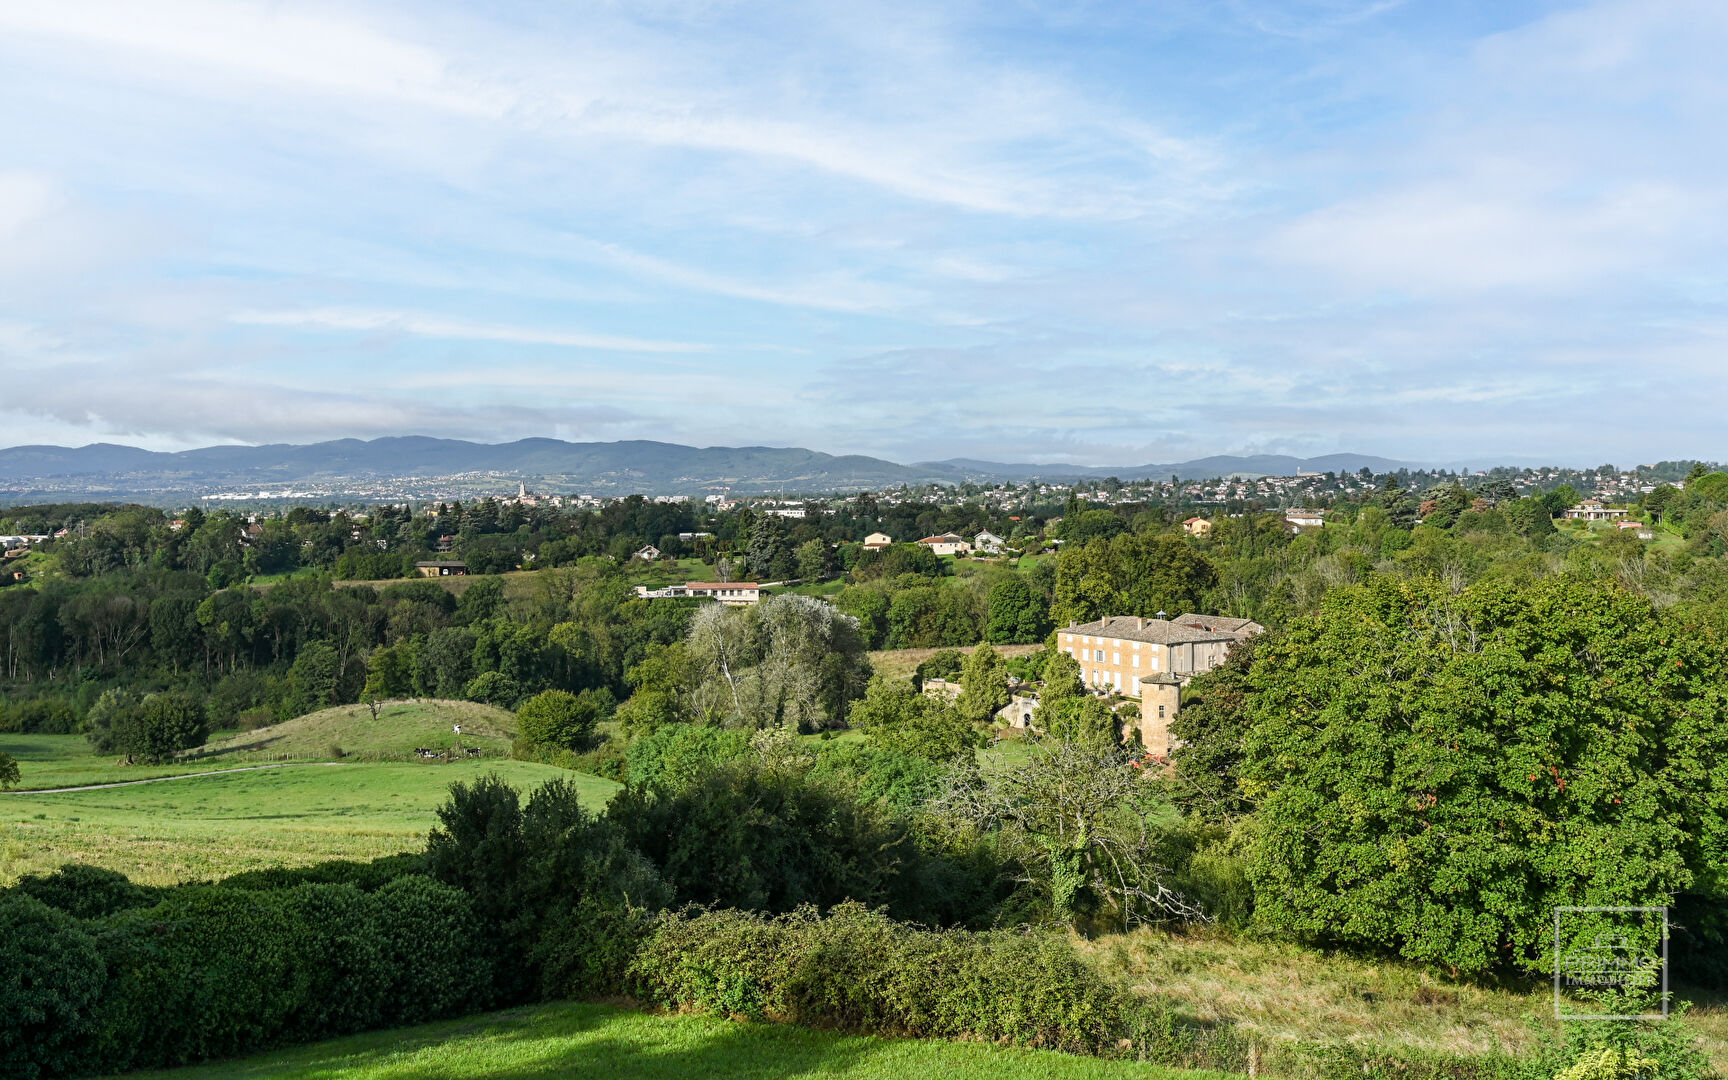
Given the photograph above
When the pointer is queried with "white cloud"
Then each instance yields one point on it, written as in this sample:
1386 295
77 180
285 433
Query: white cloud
1470 236
432 326
24 199
296 45
958 138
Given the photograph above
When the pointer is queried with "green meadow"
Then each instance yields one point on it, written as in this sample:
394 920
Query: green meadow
346 732
573 1040
200 827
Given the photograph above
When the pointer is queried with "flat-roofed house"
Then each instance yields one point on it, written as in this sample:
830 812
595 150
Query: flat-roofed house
1594 510
730 593
441 569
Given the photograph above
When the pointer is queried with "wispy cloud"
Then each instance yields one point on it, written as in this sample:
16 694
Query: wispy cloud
1073 231
421 325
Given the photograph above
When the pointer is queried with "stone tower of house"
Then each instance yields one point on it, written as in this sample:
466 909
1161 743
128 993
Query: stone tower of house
1160 699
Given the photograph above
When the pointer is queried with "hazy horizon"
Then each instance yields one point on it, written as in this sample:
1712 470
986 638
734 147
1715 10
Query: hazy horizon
1480 462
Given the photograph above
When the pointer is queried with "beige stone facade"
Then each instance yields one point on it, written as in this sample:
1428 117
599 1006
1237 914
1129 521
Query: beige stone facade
1160 701
1115 653
1152 659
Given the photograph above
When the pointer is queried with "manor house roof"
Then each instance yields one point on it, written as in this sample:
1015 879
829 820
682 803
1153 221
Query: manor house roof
1183 628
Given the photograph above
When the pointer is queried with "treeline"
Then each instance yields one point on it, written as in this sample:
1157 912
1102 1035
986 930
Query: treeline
253 656
159 617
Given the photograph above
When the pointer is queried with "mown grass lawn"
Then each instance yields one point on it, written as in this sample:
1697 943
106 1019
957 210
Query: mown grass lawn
567 1040
206 827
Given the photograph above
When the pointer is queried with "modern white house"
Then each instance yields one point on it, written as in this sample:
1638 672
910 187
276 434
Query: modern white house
1305 519
647 554
988 542
1593 510
730 593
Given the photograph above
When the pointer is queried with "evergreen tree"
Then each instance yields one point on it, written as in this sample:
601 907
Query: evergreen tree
983 685
767 547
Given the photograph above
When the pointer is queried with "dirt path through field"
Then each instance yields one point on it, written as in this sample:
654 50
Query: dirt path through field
160 779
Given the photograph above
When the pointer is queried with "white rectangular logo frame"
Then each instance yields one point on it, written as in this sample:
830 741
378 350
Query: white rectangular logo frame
1560 1015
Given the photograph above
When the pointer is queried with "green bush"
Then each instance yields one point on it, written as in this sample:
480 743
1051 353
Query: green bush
858 970
670 758
365 876
43 716
213 971
162 726
50 976
433 950
86 892
493 688
538 876
558 718
744 834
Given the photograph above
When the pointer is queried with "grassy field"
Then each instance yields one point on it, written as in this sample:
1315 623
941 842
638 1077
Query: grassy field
46 761
401 728
201 827
377 799
1286 992
902 663
50 761
568 1040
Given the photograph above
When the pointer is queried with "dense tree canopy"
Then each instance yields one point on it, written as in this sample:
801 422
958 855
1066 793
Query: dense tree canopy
1435 771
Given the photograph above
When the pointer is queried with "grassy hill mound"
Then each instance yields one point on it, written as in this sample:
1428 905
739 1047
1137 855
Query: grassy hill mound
348 731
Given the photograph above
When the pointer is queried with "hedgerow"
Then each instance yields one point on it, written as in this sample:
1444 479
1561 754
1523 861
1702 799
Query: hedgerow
215 971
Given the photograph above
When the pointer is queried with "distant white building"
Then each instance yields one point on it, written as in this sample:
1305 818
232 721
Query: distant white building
730 593
988 542
947 544
1594 510
787 511
1305 519
647 554
877 540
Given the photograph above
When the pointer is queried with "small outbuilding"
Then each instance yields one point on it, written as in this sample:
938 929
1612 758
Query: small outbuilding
441 569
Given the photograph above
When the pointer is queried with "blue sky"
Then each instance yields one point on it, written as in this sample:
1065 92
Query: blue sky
1087 232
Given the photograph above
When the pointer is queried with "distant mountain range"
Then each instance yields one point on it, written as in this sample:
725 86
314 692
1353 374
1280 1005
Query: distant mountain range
413 466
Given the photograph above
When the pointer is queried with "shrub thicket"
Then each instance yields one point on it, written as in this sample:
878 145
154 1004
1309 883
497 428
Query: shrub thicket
213 971
86 892
858 970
